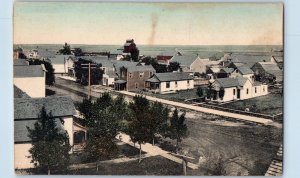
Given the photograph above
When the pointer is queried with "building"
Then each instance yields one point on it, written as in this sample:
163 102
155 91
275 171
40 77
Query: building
70 66
248 60
41 54
170 82
30 79
116 55
59 63
166 56
243 71
133 77
268 71
26 113
109 78
129 46
239 88
20 62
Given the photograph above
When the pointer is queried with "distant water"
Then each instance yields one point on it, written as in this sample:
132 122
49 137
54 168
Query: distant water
153 50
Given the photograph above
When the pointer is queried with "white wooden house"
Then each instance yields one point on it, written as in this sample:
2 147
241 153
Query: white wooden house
170 82
239 88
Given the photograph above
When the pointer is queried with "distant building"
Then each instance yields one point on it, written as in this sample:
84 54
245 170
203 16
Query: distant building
116 55
132 78
59 63
170 82
41 54
26 113
268 71
166 56
129 46
30 79
243 71
239 88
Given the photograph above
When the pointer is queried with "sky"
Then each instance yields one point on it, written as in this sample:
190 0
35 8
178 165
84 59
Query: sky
148 23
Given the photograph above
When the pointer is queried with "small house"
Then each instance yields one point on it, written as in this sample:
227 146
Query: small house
170 82
267 71
59 63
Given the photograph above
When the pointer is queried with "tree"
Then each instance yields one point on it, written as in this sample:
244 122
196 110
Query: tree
221 93
159 119
85 107
173 66
135 54
50 79
178 128
66 50
202 93
50 146
78 52
103 127
140 124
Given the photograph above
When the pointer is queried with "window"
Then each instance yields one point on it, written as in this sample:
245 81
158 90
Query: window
263 89
167 84
255 90
141 74
176 84
136 85
247 91
188 83
130 75
236 71
233 91
151 74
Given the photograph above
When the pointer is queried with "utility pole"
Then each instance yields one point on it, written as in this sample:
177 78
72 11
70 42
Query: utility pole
89 66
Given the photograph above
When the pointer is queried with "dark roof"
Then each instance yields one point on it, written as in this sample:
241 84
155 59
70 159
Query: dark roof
140 68
227 70
118 64
111 74
269 66
172 76
59 59
184 60
20 62
29 108
244 70
231 82
21 132
28 71
249 60
18 93
278 58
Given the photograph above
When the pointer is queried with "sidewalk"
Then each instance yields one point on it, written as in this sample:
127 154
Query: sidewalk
205 110
154 150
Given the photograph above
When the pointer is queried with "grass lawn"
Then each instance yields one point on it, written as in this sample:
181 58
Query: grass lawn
179 96
270 104
155 165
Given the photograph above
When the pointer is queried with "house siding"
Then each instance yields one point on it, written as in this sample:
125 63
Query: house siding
21 151
33 86
181 85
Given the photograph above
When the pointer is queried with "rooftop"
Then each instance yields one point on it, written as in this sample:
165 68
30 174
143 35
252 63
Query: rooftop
28 71
20 62
231 82
59 59
170 76
18 93
184 60
244 70
140 68
30 108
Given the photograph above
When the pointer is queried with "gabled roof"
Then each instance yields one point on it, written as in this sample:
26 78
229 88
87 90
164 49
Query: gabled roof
269 66
171 76
140 68
244 70
227 70
184 60
231 82
111 74
18 93
60 59
249 60
20 62
30 108
118 64
21 132
28 71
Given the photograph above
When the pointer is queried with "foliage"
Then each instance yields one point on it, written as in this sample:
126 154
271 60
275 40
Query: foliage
66 50
135 54
103 124
50 79
78 52
173 66
221 93
82 74
178 128
160 116
50 147
201 92
159 68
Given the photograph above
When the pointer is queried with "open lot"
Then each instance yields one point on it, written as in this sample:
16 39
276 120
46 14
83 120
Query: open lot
270 104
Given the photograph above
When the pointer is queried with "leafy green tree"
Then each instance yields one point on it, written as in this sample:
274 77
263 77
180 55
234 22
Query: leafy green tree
140 125
178 128
173 66
50 79
202 93
159 119
135 54
50 147
120 111
78 52
85 107
103 127
66 50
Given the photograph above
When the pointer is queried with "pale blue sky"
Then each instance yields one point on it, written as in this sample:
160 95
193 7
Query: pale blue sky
148 23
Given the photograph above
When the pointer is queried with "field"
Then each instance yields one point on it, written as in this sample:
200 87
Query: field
270 104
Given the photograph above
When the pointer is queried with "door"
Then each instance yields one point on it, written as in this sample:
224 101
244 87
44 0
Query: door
238 93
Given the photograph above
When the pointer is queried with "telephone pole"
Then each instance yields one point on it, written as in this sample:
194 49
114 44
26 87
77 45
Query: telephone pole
89 66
